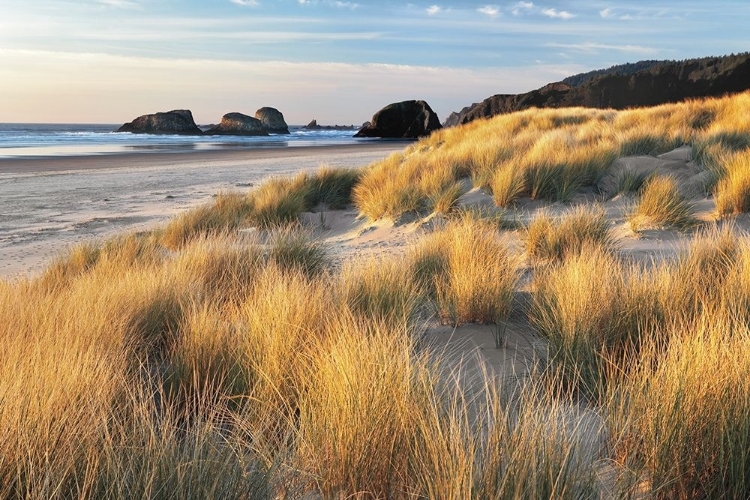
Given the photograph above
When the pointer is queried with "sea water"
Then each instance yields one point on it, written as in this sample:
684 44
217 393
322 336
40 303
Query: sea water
38 140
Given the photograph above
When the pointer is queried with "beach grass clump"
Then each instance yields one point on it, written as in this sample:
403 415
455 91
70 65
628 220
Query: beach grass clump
206 363
550 238
643 140
681 423
228 212
295 248
507 185
275 203
220 268
388 189
379 290
559 164
332 186
469 270
117 254
578 306
733 190
662 205
446 200
279 201
357 418
631 181
700 279
533 442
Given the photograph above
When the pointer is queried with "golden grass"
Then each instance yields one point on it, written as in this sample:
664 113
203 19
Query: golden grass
550 154
469 270
551 238
733 190
194 362
683 422
662 205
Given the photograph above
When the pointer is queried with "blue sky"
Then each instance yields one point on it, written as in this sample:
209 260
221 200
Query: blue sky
108 61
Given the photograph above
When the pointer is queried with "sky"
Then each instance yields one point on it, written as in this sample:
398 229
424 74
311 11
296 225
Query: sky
108 61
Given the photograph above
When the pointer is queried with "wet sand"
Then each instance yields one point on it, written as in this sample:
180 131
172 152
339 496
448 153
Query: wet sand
32 164
49 204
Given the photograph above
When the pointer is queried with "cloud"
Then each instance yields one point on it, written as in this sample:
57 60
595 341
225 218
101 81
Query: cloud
346 5
557 14
606 13
521 7
246 3
120 4
591 47
489 10
120 87
433 9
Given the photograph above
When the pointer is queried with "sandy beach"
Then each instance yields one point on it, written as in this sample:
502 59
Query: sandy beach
48 204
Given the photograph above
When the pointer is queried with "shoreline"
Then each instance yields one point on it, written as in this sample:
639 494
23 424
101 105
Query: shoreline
136 159
51 204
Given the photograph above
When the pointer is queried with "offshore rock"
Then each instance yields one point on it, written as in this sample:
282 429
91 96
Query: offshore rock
178 122
272 120
402 120
238 124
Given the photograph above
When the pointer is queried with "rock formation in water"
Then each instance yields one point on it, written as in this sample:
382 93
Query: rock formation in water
238 124
402 120
178 121
272 120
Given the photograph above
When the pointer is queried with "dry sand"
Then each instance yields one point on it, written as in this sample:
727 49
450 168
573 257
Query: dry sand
50 204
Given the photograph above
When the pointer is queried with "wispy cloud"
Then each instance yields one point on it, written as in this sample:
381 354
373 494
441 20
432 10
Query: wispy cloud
521 7
433 9
340 92
639 14
120 4
246 3
489 10
557 14
346 5
591 47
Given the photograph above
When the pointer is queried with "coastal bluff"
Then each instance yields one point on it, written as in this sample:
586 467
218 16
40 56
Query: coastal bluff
646 83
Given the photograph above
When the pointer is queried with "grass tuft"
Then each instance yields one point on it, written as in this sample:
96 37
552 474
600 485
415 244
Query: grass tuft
551 238
662 205
469 271
733 190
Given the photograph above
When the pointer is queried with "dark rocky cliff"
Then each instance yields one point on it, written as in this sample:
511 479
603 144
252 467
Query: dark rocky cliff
669 81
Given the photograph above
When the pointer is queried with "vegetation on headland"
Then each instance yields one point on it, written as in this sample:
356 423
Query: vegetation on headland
200 361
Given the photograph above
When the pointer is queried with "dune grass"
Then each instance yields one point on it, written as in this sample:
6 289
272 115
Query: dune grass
276 203
733 190
662 205
198 362
468 270
551 238
684 421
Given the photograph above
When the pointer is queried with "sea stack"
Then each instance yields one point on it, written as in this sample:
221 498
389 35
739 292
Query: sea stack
402 120
272 120
177 122
238 124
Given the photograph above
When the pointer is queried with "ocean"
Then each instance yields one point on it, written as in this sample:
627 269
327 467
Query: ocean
42 140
